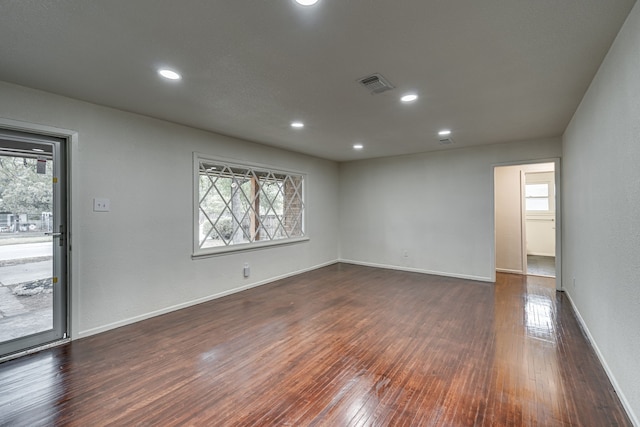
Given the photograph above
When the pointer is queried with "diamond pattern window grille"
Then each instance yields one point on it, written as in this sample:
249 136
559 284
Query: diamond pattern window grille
244 204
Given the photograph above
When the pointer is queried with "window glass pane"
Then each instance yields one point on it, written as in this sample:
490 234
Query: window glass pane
242 204
541 204
537 190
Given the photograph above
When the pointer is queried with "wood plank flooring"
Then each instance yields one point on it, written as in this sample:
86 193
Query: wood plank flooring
343 345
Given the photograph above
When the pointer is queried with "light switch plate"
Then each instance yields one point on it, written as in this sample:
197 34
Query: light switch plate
101 205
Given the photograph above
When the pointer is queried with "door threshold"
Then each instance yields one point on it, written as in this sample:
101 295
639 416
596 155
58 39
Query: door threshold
34 349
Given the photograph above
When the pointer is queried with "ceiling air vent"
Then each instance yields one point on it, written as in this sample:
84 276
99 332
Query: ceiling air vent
375 83
445 140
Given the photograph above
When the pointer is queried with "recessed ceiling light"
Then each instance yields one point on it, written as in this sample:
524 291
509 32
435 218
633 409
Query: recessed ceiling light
39 150
410 97
297 125
306 2
358 146
444 132
169 74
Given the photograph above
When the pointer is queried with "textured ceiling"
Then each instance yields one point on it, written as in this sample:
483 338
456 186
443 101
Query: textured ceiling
492 71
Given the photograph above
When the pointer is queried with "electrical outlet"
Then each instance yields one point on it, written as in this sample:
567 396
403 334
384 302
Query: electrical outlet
246 270
405 254
101 205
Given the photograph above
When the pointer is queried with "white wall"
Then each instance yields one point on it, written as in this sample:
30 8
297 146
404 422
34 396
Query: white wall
135 261
438 207
602 211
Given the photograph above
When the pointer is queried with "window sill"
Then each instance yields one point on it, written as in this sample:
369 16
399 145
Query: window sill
246 247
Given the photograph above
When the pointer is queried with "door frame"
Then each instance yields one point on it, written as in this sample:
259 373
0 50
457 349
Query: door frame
71 148
523 221
558 199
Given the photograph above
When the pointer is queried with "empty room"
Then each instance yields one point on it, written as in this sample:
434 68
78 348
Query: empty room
328 213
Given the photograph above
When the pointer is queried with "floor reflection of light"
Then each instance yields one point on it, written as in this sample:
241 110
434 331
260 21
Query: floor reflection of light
210 356
355 410
42 391
539 318
363 407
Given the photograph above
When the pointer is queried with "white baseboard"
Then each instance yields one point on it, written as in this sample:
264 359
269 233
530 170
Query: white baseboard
506 270
603 362
169 309
541 254
417 270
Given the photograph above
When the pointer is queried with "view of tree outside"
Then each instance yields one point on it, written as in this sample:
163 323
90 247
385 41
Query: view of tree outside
26 253
25 195
244 205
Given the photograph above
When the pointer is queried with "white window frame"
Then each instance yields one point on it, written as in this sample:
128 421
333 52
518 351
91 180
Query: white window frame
546 197
539 178
230 248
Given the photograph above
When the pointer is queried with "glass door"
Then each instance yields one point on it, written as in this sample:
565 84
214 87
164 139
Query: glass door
33 285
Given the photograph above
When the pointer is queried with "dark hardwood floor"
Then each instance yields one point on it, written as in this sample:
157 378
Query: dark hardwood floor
342 345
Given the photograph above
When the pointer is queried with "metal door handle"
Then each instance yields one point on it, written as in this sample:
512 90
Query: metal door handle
59 234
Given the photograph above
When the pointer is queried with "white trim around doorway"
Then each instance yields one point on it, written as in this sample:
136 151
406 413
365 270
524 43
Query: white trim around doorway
71 136
558 174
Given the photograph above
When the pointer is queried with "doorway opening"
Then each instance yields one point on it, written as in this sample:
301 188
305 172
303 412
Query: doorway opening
526 219
540 219
33 285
